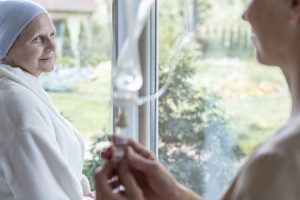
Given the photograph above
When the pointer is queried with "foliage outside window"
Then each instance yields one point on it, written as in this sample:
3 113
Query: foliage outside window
207 123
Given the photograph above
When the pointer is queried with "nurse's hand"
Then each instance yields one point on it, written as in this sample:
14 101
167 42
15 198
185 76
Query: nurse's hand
154 180
89 196
107 184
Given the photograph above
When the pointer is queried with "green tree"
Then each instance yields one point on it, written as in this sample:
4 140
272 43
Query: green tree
196 144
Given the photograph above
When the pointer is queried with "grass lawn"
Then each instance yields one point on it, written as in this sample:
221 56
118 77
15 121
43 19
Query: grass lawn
88 113
254 97
254 119
88 105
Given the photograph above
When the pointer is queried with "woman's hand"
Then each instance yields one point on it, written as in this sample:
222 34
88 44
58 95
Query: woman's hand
111 177
153 179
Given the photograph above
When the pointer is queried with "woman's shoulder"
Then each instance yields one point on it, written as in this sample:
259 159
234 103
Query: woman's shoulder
16 95
19 105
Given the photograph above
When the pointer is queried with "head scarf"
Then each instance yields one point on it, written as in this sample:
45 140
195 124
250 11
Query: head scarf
14 16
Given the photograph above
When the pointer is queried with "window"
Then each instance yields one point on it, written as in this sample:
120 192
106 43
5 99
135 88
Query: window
221 102
80 85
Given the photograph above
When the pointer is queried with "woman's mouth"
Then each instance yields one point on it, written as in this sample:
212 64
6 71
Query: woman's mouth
45 59
48 57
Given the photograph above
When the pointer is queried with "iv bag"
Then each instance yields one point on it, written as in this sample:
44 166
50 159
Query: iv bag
127 77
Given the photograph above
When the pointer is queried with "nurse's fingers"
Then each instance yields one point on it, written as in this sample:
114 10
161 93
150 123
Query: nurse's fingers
132 190
103 189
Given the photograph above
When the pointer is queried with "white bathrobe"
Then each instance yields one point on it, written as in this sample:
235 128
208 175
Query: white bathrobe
41 154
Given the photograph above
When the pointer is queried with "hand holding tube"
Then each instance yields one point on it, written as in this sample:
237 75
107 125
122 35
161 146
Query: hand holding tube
111 177
152 178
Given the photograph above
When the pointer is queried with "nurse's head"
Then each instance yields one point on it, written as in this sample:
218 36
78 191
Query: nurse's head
275 30
27 36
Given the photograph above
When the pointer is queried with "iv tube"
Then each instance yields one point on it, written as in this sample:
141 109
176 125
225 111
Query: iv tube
172 65
128 79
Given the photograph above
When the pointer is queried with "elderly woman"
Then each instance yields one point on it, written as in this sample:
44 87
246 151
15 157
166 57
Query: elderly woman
41 153
272 172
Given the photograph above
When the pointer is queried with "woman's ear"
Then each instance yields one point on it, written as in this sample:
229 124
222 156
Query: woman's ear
7 60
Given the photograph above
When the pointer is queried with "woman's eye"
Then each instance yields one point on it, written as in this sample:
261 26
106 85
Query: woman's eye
37 39
52 34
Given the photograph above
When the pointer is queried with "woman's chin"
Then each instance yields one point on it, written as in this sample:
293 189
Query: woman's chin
47 65
50 68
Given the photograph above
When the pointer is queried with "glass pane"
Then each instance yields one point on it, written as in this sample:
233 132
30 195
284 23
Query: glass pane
80 85
221 102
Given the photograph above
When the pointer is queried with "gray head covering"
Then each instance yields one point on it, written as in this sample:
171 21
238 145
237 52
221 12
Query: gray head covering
14 16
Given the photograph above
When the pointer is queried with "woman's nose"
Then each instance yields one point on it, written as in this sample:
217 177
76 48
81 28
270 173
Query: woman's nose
51 44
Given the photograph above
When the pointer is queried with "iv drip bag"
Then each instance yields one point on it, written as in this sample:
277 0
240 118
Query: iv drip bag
127 76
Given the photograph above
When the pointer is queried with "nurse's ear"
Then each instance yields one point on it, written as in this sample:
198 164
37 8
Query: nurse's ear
294 6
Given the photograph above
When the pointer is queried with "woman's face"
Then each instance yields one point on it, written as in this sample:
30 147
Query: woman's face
269 24
35 47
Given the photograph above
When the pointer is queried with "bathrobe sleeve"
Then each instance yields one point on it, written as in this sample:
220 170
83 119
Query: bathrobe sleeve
32 163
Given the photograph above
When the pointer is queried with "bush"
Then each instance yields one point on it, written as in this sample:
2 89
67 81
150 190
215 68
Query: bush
94 161
63 79
196 144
